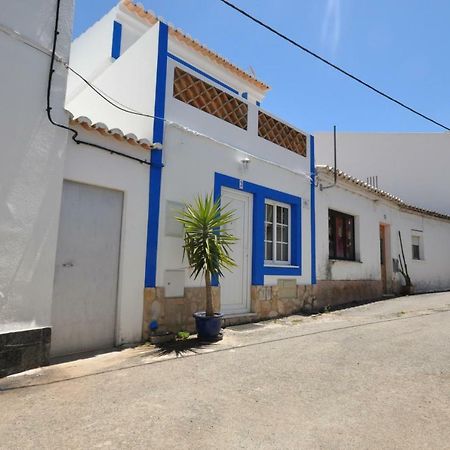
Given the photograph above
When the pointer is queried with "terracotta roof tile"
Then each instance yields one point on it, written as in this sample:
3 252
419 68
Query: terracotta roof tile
116 133
151 18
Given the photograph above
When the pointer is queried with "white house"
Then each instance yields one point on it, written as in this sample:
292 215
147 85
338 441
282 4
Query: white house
359 253
209 134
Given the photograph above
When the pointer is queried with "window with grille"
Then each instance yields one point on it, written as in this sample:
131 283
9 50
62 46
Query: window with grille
341 232
281 134
277 233
195 92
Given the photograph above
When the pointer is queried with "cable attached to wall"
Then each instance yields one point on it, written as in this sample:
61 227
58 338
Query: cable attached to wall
49 108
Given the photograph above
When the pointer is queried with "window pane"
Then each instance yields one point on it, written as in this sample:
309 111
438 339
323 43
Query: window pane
350 248
282 215
279 252
331 237
269 213
416 252
340 241
284 252
269 232
279 233
284 234
268 251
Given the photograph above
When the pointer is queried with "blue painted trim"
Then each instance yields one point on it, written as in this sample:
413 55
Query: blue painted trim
116 40
260 194
204 74
258 103
154 197
313 210
245 95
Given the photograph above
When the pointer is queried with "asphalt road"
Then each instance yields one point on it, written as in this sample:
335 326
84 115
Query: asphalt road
371 377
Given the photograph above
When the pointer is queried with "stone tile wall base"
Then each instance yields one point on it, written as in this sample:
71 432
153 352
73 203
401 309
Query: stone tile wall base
268 304
24 350
338 292
175 314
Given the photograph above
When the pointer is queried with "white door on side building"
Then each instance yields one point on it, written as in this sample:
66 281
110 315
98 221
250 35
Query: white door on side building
235 285
86 272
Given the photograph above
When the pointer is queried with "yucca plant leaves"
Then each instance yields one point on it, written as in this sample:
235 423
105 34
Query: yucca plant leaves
207 242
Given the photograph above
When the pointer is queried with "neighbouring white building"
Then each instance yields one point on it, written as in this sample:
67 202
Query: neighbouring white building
91 251
358 242
31 174
413 166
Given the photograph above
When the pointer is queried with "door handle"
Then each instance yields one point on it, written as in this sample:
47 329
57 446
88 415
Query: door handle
67 264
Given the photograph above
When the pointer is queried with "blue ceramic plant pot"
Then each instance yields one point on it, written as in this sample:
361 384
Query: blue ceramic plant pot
208 328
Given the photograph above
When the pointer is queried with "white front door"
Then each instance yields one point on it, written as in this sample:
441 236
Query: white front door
235 285
87 263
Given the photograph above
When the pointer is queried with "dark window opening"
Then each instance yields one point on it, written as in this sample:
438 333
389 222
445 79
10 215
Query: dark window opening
415 247
341 234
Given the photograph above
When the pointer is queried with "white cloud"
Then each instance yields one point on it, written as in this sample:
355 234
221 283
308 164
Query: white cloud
331 25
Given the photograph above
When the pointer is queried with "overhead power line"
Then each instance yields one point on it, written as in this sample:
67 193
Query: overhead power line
334 66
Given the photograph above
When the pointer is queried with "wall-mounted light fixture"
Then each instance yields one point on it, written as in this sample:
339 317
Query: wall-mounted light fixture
245 162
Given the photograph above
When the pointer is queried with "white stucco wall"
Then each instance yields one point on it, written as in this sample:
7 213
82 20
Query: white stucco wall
92 62
85 164
431 273
31 160
246 140
412 166
129 81
190 162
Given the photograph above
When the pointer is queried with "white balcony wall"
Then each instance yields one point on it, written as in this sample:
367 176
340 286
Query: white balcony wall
246 140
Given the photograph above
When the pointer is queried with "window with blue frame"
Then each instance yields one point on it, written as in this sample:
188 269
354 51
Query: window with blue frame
276 228
276 233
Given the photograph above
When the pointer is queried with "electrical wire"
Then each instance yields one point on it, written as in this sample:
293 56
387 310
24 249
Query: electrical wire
111 100
334 66
49 108
115 103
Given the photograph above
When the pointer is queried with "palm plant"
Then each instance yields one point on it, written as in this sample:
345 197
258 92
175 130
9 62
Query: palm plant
207 242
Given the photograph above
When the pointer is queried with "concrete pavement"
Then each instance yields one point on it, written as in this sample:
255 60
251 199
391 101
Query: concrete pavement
374 376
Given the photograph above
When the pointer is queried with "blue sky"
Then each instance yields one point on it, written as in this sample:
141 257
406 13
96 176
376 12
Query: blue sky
400 46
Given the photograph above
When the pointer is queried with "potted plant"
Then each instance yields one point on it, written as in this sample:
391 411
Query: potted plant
207 245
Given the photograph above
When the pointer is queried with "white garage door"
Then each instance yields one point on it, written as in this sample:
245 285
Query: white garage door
87 264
